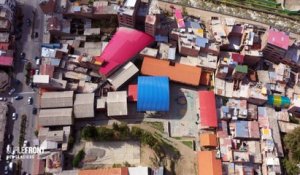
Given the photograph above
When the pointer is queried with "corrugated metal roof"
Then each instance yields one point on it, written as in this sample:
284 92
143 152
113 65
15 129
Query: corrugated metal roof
279 39
207 139
132 92
117 103
118 78
153 94
208 113
208 164
57 99
201 42
105 171
241 129
84 105
125 44
177 72
55 117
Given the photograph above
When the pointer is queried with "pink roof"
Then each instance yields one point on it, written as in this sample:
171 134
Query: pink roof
279 39
6 61
179 18
208 112
125 44
238 57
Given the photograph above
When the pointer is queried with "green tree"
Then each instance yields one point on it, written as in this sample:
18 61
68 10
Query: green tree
291 167
136 132
292 143
89 133
105 134
78 158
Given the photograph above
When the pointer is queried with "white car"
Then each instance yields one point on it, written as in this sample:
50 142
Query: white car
8 149
30 100
25 144
6 169
11 166
36 72
3 99
11 91
38 61
14 116
13 154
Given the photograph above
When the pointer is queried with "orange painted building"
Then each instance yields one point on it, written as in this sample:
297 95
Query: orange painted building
105 171
208 164
208 140
176 72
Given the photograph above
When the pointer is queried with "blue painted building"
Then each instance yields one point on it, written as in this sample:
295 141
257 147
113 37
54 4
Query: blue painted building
153 93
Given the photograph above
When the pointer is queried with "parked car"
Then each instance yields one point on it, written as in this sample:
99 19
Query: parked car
26 143
28 22
14 116
3 99
36 35
13 154
34 111
18 82
37 71
11 166
9 136
22 55
30 100
38 61
6 169
18 97
8 149
32 72
11 91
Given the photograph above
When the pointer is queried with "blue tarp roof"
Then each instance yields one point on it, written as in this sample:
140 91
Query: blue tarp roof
153 93
201 42
242 129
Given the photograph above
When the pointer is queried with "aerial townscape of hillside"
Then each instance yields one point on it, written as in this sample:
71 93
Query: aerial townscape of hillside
149 87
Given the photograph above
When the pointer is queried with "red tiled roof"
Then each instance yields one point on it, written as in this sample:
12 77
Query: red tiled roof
132 92
208 113
279 39
6 61
124 45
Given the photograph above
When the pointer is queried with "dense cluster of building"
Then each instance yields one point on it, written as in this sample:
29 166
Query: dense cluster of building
8 35
84 71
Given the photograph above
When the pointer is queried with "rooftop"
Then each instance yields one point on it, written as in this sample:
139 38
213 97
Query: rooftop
117 103
279 39
84 105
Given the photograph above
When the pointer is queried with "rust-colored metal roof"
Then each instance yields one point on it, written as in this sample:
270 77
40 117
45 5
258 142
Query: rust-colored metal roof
208 139
132 92
207 109
178 72
208 164
205 78
105 171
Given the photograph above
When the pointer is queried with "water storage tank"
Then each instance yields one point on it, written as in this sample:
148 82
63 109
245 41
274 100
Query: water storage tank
279 101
